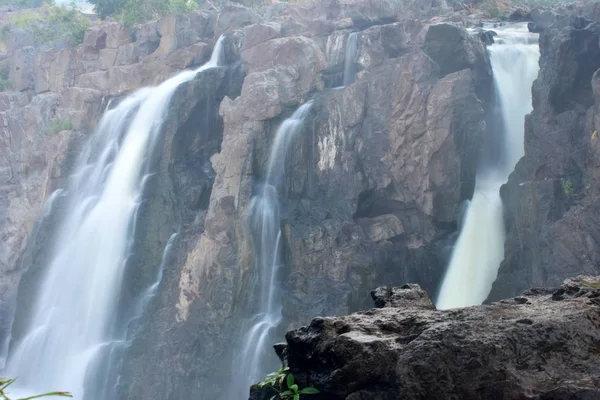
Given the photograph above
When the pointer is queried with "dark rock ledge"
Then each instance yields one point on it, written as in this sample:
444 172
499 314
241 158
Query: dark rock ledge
544 344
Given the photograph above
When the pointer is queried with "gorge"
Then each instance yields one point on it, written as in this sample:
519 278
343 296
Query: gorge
178 194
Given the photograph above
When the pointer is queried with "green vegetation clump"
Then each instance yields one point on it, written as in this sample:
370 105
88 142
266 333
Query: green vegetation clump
53 23
282 383
497 9
492 9
65 124
22 3
4 80
593 285
567 187
138 11
5 383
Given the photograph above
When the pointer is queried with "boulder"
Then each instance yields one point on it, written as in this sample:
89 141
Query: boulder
301 53
176 31
540 345
454 49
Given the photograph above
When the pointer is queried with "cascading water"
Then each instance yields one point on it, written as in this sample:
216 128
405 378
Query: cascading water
72 325
350 58
479 249
264 220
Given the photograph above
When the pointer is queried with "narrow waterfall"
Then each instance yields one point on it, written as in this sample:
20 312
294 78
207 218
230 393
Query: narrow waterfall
71 328
264 220
480 246
350 58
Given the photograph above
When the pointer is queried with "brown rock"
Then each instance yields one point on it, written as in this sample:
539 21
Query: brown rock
53 70
259 33
22 71
407 350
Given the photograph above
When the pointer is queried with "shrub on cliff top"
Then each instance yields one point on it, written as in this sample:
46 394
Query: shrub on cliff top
4 79
22 3
138 11
53 23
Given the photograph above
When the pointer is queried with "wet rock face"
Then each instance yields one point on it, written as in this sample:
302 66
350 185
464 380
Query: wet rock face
541 345
553 197
394 155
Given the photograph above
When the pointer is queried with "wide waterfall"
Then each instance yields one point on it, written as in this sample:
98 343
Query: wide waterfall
264 220
72 326
480 246
350 58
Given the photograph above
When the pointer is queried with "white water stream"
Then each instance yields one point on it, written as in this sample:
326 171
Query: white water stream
264 221
351 52
479 249
76 306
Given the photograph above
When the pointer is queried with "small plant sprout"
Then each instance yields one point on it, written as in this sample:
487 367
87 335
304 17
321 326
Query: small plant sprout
284 384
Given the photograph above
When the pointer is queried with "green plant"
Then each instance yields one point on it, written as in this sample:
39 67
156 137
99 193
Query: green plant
593 285
22 3
4 79
65 124
184 6
567 187
282 382
138 11
104 8
492 9
5 383
52 23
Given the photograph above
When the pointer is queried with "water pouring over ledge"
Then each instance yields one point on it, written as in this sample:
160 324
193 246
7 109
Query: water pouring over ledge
264 221
72 325
479 249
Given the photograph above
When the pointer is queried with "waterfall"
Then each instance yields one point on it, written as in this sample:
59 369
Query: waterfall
264 220
72 326
479 249
350 58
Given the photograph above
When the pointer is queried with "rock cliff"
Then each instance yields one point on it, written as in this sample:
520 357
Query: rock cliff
373 185
540 345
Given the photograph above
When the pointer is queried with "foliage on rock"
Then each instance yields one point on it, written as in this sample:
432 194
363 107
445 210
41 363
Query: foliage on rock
52 23
138 11
283 383
4 79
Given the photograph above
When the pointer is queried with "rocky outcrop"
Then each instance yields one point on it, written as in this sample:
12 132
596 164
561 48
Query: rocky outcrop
553 196
540 345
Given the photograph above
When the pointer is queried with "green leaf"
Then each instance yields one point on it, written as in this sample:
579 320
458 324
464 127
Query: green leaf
290 380
310 390
296 396
294 388
6 383
60 394
286 393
